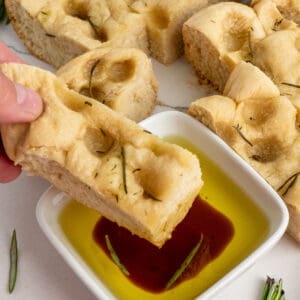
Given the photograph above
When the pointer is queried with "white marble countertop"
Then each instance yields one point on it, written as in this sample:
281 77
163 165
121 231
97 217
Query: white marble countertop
42 272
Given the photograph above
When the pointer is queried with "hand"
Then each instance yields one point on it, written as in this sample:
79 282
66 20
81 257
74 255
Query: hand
17 105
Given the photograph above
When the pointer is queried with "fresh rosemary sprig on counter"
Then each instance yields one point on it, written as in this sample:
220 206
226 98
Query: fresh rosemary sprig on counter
273 290
114 256
185 263
13 268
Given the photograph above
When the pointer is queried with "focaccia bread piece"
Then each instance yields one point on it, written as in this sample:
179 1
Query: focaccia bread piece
219 37
103 159
57 31
290 9
270 16
263 131
278 56
164 25
248 82
120 78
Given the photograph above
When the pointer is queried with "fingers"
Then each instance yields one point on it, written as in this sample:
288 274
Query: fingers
7 55
17 103
8 171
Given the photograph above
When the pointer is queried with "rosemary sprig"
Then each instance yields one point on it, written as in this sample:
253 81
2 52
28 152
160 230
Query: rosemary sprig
291 84
256 157
276 25
289 182
250 45
185 263
238 128
124 169
272 290
94 66
147 131
103 132
50 35
146 194
114 256
13 268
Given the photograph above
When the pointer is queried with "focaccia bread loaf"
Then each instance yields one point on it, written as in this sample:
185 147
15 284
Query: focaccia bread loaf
102 159
263 128
120 78
219 37
57 31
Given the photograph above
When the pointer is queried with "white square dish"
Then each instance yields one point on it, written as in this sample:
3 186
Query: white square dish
167 124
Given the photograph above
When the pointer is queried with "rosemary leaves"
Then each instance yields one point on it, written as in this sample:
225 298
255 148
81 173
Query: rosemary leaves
94 66
148 195
123 158
288 184
13 269
185 263
114 256
250 45
238 129
291 84
273 290
277 24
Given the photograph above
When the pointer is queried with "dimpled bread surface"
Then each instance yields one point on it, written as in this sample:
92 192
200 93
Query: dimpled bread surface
120 78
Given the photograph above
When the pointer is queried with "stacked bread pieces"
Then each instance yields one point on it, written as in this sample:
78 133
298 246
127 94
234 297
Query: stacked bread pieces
258 113
103 159
56 31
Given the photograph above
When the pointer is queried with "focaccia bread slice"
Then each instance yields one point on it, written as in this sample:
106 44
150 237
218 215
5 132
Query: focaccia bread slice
164 20
263 129
120 78
278 56
57 31
271 17
103 159
218 38
290 9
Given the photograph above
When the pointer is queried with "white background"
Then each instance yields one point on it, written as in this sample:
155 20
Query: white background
42 272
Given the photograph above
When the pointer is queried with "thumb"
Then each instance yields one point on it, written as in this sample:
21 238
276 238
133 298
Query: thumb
18 104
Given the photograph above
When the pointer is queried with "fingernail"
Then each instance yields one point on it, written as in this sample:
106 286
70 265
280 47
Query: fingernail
29 101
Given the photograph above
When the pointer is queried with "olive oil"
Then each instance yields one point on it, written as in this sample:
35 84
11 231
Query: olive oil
250 229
